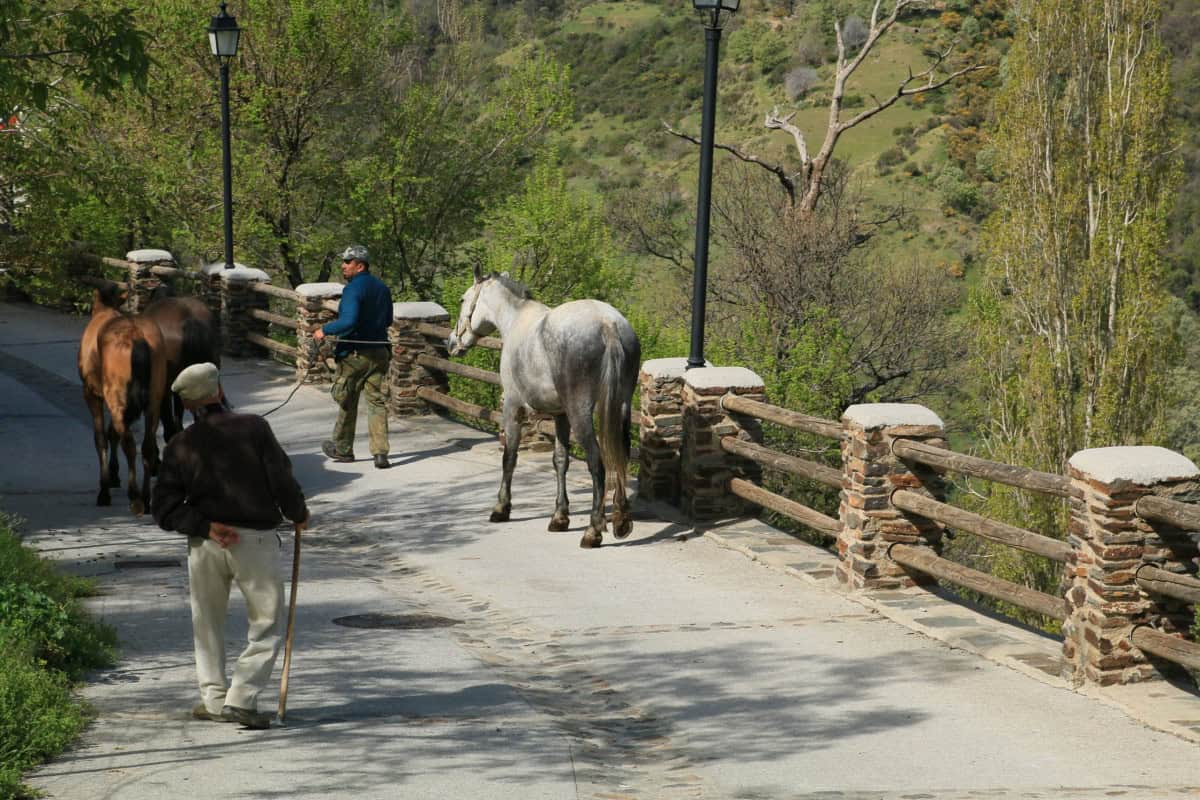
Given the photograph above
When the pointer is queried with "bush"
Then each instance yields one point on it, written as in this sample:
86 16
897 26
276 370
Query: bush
798 81
771 52
46 641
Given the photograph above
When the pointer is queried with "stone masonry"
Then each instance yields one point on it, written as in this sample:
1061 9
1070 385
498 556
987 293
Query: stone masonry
1109 542
660 385
405 375
234 288
142 280
870 473
315 363
705 468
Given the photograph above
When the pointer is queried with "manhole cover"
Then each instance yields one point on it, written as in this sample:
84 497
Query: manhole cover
407 622
147 563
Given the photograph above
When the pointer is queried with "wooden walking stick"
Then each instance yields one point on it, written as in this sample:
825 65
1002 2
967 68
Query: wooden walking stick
291 627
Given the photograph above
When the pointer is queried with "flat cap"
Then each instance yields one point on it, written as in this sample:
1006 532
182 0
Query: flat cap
198 382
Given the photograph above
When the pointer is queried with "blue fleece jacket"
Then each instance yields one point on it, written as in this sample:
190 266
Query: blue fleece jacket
364 315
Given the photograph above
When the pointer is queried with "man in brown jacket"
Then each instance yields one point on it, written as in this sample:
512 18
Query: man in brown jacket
226 484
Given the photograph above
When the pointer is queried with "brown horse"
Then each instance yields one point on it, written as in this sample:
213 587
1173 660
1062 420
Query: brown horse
190 336
122 367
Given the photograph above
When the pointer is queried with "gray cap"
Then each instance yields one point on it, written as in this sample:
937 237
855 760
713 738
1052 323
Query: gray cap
198 382
355 252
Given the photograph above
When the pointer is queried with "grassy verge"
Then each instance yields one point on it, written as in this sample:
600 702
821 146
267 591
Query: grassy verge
47 642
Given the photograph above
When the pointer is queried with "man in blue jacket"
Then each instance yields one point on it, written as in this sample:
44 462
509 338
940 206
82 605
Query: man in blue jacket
362 354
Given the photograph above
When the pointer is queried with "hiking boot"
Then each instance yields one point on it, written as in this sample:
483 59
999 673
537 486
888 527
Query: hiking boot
256 720
201 712
381 461
330 449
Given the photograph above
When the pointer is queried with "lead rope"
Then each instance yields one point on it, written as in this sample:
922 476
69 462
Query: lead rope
312 354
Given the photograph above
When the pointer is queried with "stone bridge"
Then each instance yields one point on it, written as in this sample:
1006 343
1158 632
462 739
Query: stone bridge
692 660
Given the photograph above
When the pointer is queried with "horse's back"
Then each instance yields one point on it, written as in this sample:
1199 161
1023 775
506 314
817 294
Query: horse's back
188 331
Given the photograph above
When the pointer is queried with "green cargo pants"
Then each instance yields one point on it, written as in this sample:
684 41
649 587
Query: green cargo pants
360 372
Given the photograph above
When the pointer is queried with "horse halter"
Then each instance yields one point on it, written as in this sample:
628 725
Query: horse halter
464 318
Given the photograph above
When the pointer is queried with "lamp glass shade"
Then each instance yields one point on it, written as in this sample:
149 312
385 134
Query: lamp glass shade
223 34
716 5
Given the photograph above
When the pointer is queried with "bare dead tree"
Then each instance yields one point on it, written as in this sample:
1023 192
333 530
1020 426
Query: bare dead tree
805 186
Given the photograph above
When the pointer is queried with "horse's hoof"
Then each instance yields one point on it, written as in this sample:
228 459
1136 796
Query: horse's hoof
591 538
559 523
137 507
104 499
622 525
500 515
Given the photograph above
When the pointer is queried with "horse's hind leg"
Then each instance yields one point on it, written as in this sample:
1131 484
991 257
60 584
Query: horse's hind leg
137 503
586 434
562 454
96 407
114 463
512 440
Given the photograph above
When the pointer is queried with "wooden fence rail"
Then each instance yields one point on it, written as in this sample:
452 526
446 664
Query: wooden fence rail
782 505
981 526
1173 512
784 463
782 416
1021 477
1166 646
926 561
274 319
277 347
442 333
454 368
1171 584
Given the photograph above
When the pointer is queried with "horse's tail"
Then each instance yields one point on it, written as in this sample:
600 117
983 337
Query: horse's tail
618 371
137 391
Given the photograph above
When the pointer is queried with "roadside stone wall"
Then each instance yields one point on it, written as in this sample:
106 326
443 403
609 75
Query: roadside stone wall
1109 542
405 375
870 473
142 280
660 386
315 363
705 468
233 288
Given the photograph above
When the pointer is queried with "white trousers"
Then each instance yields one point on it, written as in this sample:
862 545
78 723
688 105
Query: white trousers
254 564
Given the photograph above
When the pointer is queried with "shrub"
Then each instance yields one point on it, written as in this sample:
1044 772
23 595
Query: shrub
46 641
771 52
888 159
799 80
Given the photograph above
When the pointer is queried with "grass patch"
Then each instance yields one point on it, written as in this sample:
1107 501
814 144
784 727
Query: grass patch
47 641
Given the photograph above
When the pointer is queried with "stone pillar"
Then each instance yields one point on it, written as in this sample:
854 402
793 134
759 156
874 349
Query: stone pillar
142 281
870 473
237 297
405 375
705 469
315 363
1109 542
660 385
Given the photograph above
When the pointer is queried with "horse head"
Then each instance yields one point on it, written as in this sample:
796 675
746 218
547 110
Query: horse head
473 317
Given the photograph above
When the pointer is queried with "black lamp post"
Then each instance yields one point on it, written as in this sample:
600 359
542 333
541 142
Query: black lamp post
223 33
712 41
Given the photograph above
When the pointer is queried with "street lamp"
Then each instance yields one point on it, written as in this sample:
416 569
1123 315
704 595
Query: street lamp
223 34
712 41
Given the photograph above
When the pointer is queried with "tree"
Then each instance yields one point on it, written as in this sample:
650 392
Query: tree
450 147
806 185
555 241
1074 345
43 43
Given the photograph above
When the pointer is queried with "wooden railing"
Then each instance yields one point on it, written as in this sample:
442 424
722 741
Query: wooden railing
1149 578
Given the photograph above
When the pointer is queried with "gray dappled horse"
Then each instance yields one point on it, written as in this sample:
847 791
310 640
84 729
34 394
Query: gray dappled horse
571 361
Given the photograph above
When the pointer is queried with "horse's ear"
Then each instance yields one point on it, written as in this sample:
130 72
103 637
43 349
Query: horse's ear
478 273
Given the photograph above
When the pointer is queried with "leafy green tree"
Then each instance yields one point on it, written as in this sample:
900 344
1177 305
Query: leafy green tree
555 241
1073 343
95 43
448 149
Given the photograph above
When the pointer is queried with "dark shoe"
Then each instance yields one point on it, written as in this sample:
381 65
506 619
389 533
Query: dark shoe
247 718
381 461
201 712
330 449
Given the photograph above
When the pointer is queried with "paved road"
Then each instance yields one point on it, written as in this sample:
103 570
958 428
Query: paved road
669 665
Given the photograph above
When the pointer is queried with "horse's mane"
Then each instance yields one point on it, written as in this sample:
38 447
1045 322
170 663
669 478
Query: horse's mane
110 295
514 286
